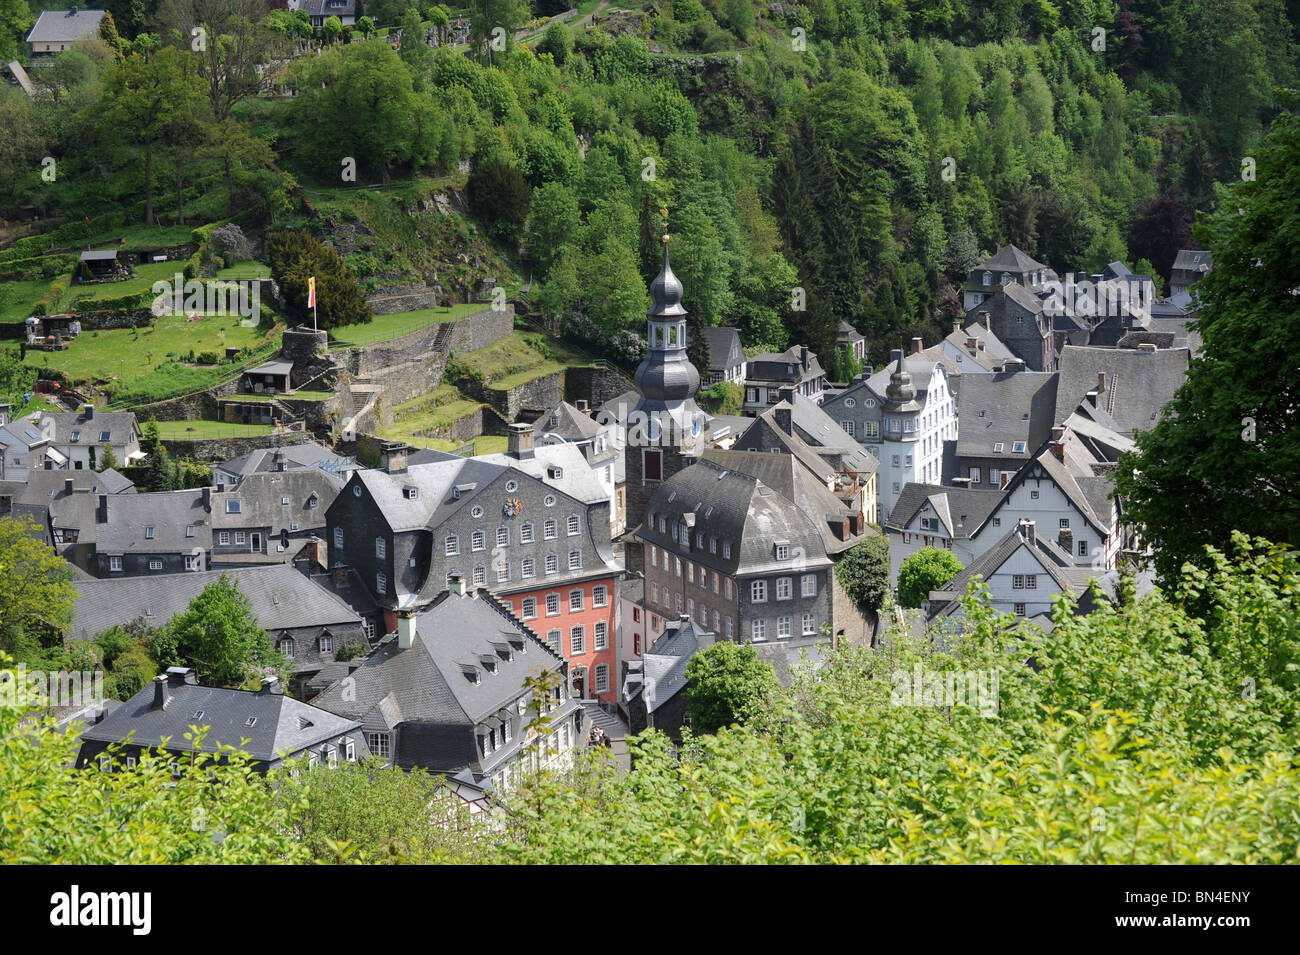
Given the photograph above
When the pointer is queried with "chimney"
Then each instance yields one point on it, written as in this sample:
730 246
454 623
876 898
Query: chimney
340 577
88 412
803 355
916 346
395 459
894 355
1066 540
961 482
67 486
101 511
519 442
1058 443
271 686
161 695
405 631
458 584
207 499
1013 365
1029 530
972 343
582 405
1058 432
278 460
956 326
1146 347
983 317
1101 382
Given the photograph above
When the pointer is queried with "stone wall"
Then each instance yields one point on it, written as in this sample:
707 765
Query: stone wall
595 385
540 394
848 623
223 449
174 253
200 404
307 348
106 319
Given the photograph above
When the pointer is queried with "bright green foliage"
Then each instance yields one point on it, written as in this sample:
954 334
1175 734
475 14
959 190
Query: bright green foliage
727 684
371 814
36 588
1130 743
1226 454
863 572
217 811
218 636
926 570
557 41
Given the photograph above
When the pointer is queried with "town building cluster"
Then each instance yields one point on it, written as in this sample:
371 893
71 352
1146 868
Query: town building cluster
434 605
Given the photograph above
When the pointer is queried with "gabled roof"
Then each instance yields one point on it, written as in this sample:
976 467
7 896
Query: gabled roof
664 665
771 366
991 356
1005 408
427 683
724 343
434 485
169 513
282 598
280 725
567 422
1138 383
576 477
65 26
61 425
963 510
1066 576
294 456
42 487
329 8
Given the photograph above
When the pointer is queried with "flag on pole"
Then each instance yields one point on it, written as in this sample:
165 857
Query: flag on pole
311 292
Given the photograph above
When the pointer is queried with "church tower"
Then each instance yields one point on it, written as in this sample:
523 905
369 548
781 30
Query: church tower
666 431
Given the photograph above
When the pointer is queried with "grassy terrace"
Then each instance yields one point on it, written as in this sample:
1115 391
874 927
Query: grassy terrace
200 430
17 298
296 396
518 358
438 409
387 327
245 270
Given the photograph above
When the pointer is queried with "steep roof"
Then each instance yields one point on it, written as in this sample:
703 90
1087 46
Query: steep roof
295 456
42 486
65 26
567 422
169 513
962 510
60 426
427 683
282 598
1008 258
272 724
776 366
1006 408
991 356
664 665
276 498
1138 383
724 342
1193 260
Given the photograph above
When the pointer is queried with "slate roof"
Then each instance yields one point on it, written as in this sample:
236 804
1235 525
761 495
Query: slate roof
295 456
282 725
329 8
738 507
991 356
59 426
1066 576
578 480
1138 383
99 255
427 683
43 486
65 26
1005 408
724 345
169 513
962 510
261 499
920 366
282 598
1008 258
569 424
774 366
664 665
1193 260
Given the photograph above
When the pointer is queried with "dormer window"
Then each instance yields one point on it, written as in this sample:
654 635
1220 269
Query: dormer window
555 473
471 674
232 506
988 278
1006 278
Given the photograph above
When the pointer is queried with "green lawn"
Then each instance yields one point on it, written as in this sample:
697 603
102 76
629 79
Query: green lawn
17 298
438 409
199 430
142 237
518 358
245 270
297 395
387 327
145 276
131 355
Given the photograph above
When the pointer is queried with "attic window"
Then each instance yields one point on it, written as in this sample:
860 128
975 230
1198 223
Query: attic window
555 473
105 435
512 486
251 721
411 493
356 490
471 674
232 506
198 715
1018 447
997 448
284 499
148 533
304 723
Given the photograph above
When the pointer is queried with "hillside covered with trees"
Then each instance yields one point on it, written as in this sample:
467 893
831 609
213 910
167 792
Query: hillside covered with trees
867 154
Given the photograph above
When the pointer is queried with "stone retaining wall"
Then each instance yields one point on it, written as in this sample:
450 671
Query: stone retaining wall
223 449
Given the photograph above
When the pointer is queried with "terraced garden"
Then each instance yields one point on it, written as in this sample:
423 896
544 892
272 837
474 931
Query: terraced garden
518 358
388 327
437 410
